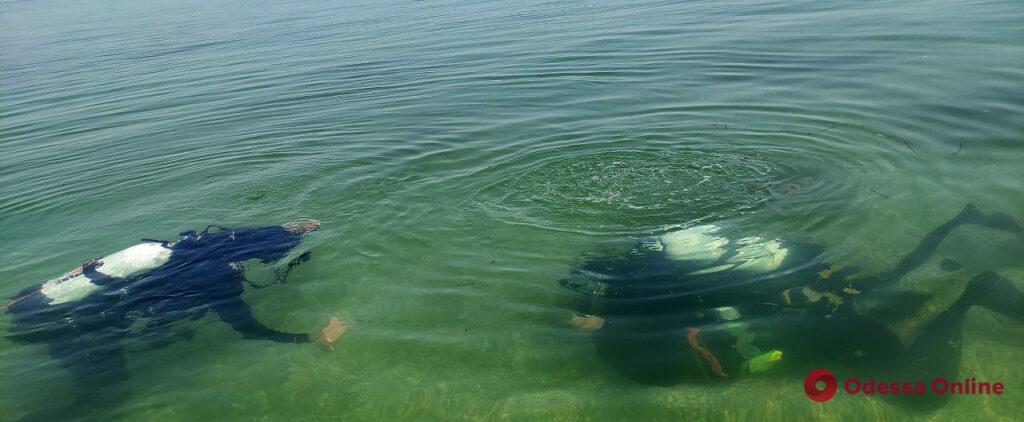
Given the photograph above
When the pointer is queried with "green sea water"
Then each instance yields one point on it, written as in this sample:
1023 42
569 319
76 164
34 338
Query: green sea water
464 155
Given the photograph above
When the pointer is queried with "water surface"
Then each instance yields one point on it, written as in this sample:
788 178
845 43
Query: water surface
464 155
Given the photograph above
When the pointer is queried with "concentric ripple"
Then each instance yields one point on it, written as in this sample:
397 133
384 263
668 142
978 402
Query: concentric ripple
630 191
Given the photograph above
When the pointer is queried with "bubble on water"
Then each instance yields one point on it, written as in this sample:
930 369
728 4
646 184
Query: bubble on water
614 192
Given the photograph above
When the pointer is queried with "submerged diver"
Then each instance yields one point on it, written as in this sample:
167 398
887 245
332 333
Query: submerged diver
700 304
84 316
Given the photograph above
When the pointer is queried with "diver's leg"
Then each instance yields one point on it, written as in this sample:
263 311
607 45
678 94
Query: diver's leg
995 293
925 249
937 351
931 241
236 312
95 359
1002 221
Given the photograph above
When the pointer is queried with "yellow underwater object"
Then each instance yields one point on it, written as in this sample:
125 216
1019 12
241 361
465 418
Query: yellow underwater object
763 362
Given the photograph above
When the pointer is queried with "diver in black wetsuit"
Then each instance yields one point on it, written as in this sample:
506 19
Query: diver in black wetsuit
84 316
700 304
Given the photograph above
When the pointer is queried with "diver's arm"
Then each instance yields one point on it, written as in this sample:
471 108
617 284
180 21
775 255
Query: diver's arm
585 312
236 312
586 322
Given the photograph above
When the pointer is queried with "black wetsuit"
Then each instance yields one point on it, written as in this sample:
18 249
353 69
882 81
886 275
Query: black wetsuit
650 301
666 322
87 335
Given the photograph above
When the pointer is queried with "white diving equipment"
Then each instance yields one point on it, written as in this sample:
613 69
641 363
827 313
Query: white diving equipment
132 261
704 244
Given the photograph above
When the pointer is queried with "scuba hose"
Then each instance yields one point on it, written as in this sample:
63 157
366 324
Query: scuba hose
281 275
